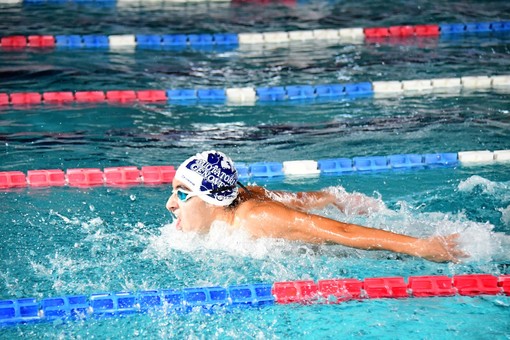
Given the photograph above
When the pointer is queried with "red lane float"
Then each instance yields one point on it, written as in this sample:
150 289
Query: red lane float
121 96
385 287
151 95
25 98
158 174
426 30
85 177
58 97
376 32
14 41
424 286
46 178
402 31
122 175
41 41
12 179
472 285
338 290
294 291
89 96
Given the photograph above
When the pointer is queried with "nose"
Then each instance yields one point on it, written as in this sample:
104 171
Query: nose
171 204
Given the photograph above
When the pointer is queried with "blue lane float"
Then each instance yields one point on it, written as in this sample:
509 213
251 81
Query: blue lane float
181 94
96 41
217 95
335 165
406 161
117 304
374 163
266 169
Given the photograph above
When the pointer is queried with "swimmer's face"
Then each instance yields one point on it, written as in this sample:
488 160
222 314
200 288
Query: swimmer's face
193 214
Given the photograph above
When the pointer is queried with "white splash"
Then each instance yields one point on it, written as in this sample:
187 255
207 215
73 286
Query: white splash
476 239
482 244
220 237
356 203
505 215
67 220
92 224
477 181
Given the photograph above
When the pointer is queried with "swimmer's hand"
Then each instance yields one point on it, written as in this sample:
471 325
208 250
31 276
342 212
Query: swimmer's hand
440 249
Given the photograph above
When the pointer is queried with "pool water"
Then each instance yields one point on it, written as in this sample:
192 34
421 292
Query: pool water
64 241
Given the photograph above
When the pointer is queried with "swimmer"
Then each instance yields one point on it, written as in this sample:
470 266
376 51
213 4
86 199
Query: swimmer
206 189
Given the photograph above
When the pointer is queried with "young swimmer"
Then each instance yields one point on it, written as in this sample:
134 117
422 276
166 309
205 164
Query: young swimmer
205 190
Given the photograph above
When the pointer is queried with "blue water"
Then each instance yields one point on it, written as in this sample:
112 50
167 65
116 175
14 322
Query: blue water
64 241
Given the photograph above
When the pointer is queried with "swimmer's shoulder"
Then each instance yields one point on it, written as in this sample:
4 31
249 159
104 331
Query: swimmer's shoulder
264 218
252 192
254 200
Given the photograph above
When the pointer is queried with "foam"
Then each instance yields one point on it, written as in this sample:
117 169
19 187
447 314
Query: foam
476 239
220 238
472 182
505 215
482 243
487 186
67 220
355 203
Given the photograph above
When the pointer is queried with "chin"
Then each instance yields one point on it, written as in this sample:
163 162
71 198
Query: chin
189 229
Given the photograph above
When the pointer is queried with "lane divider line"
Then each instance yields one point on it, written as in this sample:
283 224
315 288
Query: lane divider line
257 295
250 95
158 175
347 35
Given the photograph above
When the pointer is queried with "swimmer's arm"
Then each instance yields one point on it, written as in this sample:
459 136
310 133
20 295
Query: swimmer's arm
276 220
305 200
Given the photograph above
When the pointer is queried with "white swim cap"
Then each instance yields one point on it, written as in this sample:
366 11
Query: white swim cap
208 172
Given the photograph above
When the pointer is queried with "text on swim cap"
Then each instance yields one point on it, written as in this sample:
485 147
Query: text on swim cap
212 173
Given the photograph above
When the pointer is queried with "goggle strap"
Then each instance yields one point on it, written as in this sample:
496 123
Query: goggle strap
244 188
214 191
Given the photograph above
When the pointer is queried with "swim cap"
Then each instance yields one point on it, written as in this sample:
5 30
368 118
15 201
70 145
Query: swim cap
210 170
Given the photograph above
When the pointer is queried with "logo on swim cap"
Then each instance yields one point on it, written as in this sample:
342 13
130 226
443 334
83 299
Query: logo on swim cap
209 171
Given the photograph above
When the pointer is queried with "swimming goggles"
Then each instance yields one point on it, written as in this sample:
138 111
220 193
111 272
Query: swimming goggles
184 195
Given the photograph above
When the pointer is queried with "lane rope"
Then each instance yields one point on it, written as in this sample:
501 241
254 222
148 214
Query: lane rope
212 299
164 174
201 40
252 95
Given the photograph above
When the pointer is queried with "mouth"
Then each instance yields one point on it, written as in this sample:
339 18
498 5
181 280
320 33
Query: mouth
177 220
